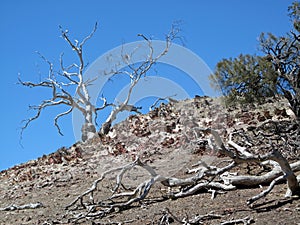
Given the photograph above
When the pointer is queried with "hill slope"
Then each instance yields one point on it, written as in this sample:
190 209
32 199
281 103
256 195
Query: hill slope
167 140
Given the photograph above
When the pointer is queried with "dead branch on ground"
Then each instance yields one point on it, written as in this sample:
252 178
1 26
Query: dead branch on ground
205 178
21 207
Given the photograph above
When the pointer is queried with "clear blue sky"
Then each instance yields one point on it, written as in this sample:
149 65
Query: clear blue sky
213 29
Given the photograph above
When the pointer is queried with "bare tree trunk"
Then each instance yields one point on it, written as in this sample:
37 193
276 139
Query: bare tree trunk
88 129
73 76
113 115
292 183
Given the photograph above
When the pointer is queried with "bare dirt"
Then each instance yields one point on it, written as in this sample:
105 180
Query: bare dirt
160 139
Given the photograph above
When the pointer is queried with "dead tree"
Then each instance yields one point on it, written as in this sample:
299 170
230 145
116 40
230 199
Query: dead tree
60 82
136 72
204 177
72 76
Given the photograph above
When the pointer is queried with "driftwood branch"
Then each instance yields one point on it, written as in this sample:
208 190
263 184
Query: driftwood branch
247 220
21 207
206 178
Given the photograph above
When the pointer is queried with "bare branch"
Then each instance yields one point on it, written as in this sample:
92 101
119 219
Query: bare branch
61 115
21 207
71 77
89 36
135 74
161 99
59 82
292 183
265 192
103 175
39 109
247 220
204 178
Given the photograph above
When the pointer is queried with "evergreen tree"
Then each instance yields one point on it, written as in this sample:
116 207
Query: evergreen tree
249 78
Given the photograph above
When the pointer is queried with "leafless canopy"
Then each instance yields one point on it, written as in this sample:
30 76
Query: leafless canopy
71 77
59 82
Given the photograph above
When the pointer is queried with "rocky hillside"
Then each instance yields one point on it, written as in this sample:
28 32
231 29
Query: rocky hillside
167 139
